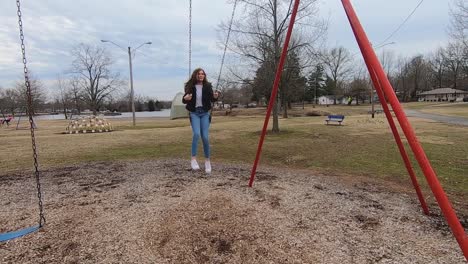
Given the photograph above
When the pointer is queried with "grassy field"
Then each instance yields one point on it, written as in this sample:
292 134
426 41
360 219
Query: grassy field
362 146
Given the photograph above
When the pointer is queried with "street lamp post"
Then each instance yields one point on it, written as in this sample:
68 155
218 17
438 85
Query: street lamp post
372 89
315 90
132 95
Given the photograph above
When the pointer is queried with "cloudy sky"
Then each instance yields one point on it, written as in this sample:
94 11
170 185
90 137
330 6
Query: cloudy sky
53 27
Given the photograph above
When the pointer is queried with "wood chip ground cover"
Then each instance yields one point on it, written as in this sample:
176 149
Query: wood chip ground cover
159 211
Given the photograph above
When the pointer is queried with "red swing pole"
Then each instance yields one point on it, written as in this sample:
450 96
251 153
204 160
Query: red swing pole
274 90
397 137
429 173
396 134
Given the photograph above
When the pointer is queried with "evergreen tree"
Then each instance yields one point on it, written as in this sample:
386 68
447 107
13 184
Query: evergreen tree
330 86
292 84
158 105
315 84
151 105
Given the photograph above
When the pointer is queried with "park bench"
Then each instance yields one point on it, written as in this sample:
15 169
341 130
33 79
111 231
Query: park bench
335 118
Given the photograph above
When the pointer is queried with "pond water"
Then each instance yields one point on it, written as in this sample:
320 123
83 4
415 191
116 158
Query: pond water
162 113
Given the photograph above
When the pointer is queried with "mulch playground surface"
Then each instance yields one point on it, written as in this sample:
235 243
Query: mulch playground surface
160 211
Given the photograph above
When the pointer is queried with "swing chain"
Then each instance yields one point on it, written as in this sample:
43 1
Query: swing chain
226 44
190 39
30 114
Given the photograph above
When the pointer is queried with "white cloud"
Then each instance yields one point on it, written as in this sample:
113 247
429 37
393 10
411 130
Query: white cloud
53 27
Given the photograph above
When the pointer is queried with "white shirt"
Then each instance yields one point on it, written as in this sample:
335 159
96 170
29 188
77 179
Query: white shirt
199 88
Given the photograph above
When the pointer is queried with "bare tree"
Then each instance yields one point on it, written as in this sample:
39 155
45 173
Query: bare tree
140 102
8 102
337 64
64 95
458 28
402 79
359 89
413 76
92 71
437 62
455 59
245 94
226 86
258 36
387 59
231 96
38 94
77 95
361 86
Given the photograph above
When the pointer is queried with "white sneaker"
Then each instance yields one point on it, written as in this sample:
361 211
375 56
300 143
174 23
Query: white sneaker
207 166
194 164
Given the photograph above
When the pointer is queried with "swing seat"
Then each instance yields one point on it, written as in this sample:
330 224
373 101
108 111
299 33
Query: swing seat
19 233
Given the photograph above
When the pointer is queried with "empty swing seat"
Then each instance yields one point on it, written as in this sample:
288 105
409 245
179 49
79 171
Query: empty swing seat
19 233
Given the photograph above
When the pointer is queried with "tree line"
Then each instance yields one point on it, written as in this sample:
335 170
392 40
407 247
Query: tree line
89 84
313 70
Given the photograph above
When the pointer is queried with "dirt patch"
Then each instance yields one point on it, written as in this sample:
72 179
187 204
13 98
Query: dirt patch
161 212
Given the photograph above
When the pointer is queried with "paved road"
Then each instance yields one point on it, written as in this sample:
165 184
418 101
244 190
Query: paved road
439 118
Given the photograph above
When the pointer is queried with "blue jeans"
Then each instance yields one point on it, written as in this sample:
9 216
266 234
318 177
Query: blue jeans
200 121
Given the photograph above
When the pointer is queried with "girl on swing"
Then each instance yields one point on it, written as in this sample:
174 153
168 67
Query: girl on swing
198 98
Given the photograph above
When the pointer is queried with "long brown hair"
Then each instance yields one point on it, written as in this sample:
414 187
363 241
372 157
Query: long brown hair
193 80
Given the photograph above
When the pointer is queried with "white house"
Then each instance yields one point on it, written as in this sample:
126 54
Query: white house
325 100
442 94
328 100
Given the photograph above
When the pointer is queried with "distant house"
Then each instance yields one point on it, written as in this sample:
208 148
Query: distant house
329 100
325 100
442 94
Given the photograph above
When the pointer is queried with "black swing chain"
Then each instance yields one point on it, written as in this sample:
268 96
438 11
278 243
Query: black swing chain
224 53
42 219
190 39
226 44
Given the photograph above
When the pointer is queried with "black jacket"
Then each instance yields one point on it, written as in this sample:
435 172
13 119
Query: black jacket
207 98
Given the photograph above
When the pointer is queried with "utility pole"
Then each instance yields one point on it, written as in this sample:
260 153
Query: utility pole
303 97
132 94
315 90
